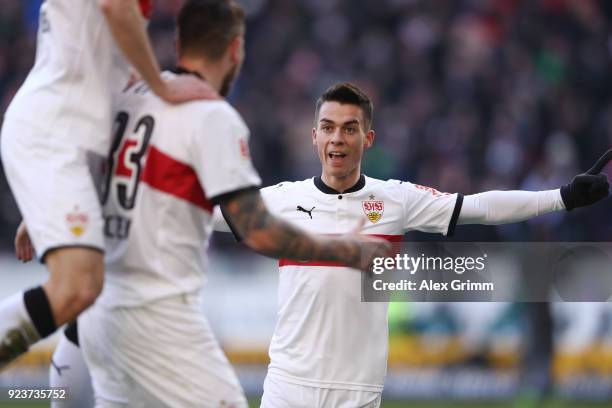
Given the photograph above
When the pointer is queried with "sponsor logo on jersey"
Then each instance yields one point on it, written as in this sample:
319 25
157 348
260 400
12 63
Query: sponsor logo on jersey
373 209
77 222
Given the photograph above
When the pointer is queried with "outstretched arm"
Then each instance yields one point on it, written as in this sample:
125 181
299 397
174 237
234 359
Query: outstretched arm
264 233
127 25
502 207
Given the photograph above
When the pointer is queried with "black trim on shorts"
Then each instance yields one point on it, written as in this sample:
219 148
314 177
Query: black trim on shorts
95 248
455 216
72 333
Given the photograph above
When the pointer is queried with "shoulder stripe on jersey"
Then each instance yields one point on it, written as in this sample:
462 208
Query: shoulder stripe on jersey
289 262
166 174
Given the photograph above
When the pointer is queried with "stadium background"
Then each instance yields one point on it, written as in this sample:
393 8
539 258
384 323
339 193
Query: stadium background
470 95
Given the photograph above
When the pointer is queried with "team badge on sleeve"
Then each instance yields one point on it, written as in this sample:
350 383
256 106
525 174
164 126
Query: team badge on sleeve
373 210
244 149
77 222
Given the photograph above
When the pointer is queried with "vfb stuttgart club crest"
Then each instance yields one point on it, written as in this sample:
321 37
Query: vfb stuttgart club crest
77 222
373 209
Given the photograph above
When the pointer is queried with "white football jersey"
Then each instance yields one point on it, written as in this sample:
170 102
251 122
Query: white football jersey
325 335
78 67
168 163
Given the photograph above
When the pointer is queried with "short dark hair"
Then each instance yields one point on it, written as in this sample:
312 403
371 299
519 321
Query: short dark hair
347 93
206 27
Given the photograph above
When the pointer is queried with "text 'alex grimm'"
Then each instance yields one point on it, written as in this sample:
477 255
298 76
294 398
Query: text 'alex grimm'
411 265
430 285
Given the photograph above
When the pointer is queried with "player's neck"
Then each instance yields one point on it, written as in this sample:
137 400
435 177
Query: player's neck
341 184
212 73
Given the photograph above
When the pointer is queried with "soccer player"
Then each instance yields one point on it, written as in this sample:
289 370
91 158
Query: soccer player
329 349
58 119
145 340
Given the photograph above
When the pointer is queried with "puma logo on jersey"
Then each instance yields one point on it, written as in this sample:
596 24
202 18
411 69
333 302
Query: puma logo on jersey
302 209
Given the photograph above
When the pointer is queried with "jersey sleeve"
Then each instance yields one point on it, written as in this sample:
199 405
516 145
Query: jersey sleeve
428 210
274 196
219 222
220 153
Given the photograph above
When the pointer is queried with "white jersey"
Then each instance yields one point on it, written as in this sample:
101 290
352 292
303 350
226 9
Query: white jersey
325 336
78 68
168 163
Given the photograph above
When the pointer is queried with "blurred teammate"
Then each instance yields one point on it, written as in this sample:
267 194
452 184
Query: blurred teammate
145 340
60 117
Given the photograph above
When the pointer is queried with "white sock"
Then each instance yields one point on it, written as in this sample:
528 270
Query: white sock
68 370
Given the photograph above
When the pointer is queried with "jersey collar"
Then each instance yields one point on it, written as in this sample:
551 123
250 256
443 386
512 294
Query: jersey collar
180 71
324 188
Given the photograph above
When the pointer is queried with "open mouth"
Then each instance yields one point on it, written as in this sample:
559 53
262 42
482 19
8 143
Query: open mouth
336 155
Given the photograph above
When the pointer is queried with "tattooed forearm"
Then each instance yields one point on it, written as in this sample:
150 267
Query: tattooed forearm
271 236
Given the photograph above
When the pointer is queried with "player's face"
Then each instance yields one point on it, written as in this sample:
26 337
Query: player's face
341 138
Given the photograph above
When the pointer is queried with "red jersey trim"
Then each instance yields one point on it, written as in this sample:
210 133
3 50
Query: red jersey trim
289 262
166 174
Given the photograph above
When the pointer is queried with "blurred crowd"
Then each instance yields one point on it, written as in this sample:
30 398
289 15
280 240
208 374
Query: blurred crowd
469 95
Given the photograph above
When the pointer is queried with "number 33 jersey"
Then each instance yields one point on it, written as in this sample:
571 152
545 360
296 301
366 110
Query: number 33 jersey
167 165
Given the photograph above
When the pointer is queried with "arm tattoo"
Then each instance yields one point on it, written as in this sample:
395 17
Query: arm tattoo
271 236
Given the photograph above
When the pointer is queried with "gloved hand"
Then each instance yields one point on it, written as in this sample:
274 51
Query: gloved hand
588 188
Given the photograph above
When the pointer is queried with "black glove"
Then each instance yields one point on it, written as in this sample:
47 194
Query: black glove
588 188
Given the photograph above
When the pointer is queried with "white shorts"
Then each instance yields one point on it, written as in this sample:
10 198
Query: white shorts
162 354
53 186
283 394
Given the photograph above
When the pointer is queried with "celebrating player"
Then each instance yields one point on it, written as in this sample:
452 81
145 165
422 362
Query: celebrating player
60 117
145 340
329 349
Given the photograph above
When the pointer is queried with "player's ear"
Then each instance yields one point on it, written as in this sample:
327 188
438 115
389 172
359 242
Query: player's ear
235 48
314 136
369 139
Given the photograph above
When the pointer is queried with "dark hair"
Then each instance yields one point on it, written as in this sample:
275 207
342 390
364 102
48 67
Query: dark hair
347 93
206 27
